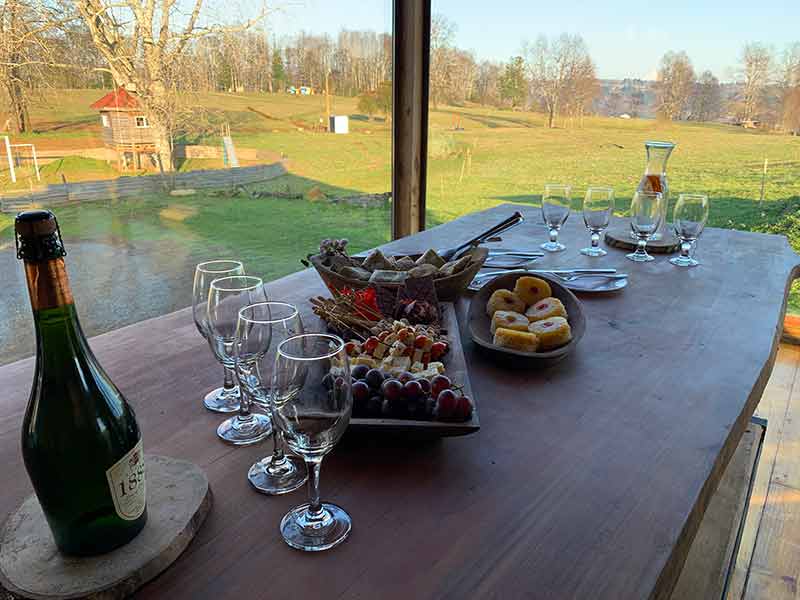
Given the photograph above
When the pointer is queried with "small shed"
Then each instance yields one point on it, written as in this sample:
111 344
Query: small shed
126 129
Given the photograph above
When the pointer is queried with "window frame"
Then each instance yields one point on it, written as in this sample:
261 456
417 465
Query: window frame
105 120
411 25
144 120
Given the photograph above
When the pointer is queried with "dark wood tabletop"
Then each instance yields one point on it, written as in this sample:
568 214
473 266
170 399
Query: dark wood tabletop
587 480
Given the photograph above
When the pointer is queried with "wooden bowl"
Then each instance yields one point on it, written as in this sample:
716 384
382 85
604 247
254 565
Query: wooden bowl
479 322
448 289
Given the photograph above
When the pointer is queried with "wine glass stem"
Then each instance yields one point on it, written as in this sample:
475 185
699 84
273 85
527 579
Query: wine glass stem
227 383
554 235
244 405
277 447
686 247
595 239
641 248
314 504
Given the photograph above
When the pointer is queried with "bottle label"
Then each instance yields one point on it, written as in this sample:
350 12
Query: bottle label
127 483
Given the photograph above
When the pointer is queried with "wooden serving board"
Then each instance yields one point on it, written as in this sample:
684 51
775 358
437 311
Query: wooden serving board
619 236
178 501
456 370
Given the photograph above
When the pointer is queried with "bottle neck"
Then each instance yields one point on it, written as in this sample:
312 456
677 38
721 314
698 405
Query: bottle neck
48 284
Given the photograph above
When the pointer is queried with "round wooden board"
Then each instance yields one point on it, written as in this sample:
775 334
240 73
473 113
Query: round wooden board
620 237
178 501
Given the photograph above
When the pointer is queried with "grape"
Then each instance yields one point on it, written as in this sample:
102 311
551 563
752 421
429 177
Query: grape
374 406
440 383
446 404
391 389
463 409
361 391
374 378
327 381
359 371
405 377
425 384
412 390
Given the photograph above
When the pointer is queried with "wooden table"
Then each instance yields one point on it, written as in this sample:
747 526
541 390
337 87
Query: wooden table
588 480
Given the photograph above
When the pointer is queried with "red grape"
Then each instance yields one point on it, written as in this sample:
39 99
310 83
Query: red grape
438 349
361 391
412 390
440 383
391 389
446 404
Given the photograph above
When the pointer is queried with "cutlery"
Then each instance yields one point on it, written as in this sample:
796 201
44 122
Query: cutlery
575 276
482 278
503 262
515 253
506 224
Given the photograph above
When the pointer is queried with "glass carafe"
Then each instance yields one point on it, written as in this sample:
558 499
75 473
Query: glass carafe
655 178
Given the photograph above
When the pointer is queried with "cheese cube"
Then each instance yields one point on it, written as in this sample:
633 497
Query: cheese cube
402 362
380 350
417 367
365 360
417 356
437 366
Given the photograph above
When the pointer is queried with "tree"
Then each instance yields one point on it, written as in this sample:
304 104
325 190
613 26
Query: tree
790 89
756 65
487 83
512 83
675 83
556 69
27 47
368 103
441 57
278 72
148 55
706 103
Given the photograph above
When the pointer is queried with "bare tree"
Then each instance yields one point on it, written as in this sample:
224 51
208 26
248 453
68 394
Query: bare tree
487 83
557 68
27 40
144 47
675 82
441 61
790 89
706 103
756 66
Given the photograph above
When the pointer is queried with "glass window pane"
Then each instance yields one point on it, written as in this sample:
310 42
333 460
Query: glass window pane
568 92
281 134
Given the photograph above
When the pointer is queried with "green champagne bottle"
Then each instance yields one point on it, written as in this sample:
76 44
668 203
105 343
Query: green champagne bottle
80 441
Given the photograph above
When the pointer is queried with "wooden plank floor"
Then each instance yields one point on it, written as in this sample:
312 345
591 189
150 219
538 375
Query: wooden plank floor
768 563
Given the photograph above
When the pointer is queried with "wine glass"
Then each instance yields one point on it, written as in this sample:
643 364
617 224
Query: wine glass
598 204
226 297
645 218
226 398
261 328
689 220
555 210
312 405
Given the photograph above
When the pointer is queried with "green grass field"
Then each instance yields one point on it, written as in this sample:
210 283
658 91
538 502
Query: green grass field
495 156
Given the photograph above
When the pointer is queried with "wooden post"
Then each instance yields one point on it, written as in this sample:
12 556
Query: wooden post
10 161
412 29
763 181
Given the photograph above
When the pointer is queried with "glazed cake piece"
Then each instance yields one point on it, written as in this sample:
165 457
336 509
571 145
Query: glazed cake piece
504 300
552 332
532 289
516 340
507 319
546 308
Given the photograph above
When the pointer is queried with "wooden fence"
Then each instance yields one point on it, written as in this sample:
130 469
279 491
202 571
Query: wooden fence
126 187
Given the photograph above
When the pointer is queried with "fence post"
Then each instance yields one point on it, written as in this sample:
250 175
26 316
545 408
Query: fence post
10 161
763 182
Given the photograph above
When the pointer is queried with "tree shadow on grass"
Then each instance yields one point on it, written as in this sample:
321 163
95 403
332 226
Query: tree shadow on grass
492 122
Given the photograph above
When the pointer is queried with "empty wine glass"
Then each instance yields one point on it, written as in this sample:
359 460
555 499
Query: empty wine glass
261 328
226 297
555 210
598 204
312 405
226 398
689 220
645 219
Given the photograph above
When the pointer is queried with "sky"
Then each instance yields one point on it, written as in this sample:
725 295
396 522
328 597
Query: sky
626 38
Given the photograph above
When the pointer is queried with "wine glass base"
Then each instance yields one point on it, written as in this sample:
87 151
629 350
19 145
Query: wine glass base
639 257
286 477
593 251
233 431
553 247
221 400
304 534
684 261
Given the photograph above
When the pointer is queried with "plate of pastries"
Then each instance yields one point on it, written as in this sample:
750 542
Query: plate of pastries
535 318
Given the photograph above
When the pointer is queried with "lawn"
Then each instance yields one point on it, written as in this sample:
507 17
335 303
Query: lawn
478 158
